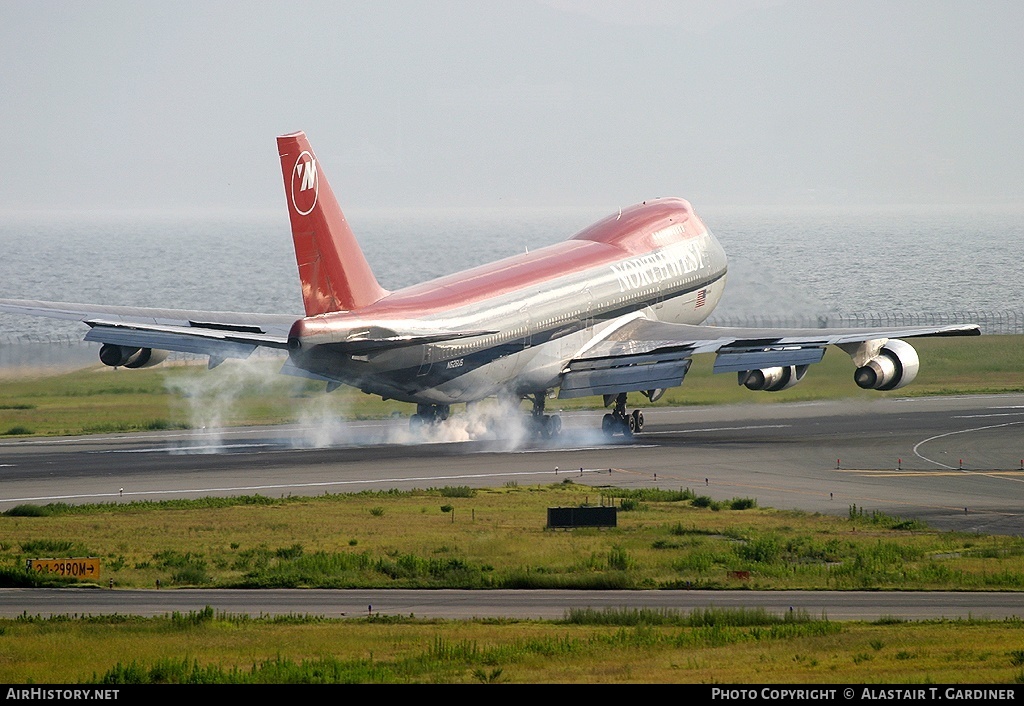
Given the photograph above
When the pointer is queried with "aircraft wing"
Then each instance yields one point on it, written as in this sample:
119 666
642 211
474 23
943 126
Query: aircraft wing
219 334
641 354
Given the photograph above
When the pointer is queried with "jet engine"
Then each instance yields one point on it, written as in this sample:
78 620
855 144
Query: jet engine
129 357
772 379
895 365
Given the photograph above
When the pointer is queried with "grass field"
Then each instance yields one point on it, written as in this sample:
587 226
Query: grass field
727 647
459 537
103 400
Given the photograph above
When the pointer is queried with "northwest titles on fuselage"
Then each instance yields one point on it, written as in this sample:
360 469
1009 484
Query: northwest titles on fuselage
673 261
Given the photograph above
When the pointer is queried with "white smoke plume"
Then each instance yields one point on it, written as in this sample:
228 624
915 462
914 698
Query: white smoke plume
211 400
324 423
498 420
211 397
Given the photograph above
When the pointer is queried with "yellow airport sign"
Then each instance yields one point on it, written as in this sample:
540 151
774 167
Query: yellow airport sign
79 568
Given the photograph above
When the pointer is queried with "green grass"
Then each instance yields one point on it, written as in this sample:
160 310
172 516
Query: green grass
496 538
587 647
106 400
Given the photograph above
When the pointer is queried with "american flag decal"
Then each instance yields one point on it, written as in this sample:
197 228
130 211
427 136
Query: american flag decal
702 297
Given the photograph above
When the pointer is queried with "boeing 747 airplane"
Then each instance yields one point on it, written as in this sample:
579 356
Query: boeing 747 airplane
617 308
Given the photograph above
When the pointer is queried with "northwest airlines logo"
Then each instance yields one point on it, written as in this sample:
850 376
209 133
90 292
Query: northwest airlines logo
305 184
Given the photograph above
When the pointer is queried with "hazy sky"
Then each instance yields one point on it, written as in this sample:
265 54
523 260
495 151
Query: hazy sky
577 103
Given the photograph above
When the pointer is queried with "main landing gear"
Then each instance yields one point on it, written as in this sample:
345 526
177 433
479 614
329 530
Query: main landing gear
428 414
619 421
546 426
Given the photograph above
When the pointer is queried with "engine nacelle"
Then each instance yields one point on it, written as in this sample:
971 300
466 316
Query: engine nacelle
895 365
772 379
128 357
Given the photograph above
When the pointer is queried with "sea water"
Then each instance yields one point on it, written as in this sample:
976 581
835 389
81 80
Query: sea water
783 262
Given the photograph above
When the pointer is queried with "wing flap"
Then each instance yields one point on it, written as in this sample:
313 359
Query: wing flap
737 361
646 336
167 341
216 343
641 354
625 378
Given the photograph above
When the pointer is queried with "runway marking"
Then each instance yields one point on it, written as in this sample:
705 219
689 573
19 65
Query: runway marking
285 486
182 434
199 450
697 431
878 473
951 433
132 437
577 448
1000 414
182 450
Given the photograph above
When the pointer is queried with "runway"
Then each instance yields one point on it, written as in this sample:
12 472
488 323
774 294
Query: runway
952 462
522 605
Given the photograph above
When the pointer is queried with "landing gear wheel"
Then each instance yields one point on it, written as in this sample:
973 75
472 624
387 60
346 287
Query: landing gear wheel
638 420
428 414
619 421
546 426
552 426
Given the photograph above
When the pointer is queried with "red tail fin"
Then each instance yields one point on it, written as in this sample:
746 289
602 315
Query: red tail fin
334 273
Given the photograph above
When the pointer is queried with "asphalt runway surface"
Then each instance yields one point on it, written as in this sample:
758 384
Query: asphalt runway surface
524 605
953 462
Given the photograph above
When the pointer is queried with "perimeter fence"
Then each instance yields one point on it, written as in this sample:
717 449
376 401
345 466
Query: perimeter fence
991 322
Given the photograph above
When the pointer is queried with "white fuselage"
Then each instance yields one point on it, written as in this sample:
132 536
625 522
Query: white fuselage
537 328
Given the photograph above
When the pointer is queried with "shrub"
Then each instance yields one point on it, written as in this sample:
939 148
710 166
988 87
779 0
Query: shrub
458 491
292 552
618 559
761 550
29 510
703 501
191 575
52 547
